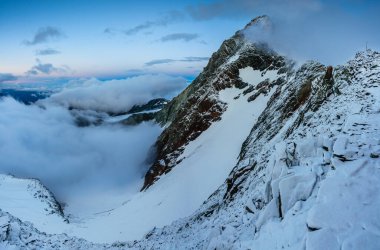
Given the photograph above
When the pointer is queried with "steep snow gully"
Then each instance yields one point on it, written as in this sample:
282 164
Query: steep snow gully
268 156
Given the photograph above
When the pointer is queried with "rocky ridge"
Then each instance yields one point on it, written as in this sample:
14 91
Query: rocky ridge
300 169
311 153
193 111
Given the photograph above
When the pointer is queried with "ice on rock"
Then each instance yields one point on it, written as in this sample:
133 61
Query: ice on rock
348 200
270 211
295 188
4 228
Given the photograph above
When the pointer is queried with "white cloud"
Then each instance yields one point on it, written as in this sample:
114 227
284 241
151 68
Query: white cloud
44 143
117 95
80 164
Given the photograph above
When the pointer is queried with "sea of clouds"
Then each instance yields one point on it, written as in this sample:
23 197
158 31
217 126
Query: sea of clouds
42 140
117 96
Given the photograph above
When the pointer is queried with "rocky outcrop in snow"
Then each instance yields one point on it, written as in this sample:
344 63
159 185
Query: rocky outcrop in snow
307 175
199 105
308 172
17 195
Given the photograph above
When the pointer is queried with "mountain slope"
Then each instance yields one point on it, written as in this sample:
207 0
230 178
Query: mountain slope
29 200
256 154
310 183
198 106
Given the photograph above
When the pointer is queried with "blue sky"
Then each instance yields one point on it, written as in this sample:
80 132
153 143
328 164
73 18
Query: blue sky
50 40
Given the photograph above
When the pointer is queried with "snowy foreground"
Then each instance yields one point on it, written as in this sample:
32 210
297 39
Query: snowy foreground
315 187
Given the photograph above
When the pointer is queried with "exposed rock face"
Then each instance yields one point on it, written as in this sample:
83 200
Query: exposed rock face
193 111
308 166
293 104
311 150
154 104
138 118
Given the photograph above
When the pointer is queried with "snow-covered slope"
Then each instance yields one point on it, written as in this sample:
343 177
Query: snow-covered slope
256 154
313 184
200 105
29 200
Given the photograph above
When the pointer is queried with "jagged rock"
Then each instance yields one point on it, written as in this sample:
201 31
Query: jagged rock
154 104
291 187
193 111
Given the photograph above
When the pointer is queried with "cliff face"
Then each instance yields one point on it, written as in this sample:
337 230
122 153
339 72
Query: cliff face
307 171
312 153
199 105
264 155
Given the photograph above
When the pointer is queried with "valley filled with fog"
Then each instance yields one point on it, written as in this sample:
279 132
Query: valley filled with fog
244 124
82 165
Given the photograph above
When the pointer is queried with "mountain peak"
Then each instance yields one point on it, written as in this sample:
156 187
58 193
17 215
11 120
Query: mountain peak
263 20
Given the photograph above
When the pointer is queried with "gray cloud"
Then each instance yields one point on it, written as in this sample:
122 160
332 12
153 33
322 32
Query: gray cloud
330 35
5 77
186 37
249 8
186 59
170 17
45 52
140 27
159 61
46 68
195 59
45 34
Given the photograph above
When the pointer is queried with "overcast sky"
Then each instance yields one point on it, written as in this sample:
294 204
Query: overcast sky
52 40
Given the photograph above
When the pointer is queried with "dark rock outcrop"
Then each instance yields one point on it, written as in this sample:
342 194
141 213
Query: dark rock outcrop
198 106
154 104
138 118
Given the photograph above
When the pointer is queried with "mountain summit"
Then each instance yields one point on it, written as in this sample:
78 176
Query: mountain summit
256 153
199 105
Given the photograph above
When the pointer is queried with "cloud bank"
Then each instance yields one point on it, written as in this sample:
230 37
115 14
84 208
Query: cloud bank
71 161
116 96
45 34
81 164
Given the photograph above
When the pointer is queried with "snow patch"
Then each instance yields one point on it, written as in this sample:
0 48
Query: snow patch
254 77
